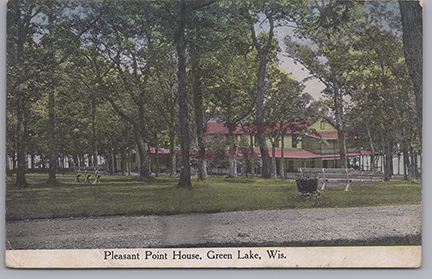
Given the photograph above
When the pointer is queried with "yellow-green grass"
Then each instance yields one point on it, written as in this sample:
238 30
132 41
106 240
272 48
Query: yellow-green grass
117 195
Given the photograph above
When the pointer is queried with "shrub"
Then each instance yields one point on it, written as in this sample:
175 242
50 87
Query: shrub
306 184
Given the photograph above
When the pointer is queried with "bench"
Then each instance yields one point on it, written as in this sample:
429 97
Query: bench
92 170
341 177
87 172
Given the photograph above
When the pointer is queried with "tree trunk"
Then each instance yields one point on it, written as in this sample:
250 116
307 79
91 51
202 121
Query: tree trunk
76 160
233 167
20 105
405 163
122 162
260 105
412 164
32 160
338 118
144 159
185 175
282 156
52 114
14 160
199 118
274 170
114 162
21 144
157 162
173 157
387 162
412 27
260 112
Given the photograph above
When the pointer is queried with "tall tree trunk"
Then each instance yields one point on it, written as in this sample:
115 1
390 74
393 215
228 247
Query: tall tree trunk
52 114
173 157
274 170
76 160
405 163
260 112
282 156
114 162
199 118
412 164
20 103
157 161
144 159
21 136
260 105
32 160
122 162
232 156
93 127
112 158
412 26
185 175
338 118
408 164
388 172
14 160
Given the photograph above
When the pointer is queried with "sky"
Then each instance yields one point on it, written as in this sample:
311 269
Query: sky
312 86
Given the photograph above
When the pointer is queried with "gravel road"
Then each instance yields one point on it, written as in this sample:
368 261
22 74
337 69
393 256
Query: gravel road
245 228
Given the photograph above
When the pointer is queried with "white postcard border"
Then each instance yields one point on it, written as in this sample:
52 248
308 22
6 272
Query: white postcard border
261 257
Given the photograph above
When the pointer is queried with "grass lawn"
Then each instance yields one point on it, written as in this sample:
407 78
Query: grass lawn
117 195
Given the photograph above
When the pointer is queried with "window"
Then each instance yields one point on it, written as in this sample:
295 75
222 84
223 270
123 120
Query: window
322 125
291 166
294 141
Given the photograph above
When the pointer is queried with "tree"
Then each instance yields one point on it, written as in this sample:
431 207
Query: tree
232 91
274 13
23 73
287 109
123 36
327 25
59 44
384 105
214 47
412 26
176 21
163 81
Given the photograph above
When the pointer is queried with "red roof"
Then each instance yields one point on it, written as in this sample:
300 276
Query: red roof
285 127
160 151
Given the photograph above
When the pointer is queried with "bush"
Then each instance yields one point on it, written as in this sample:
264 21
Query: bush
306 185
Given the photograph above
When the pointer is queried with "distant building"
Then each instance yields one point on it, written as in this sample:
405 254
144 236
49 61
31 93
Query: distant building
311 143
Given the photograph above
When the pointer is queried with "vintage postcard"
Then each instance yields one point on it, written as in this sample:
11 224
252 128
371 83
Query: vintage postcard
214 134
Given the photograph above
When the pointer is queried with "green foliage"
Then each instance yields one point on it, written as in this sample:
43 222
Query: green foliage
337 19
286 101
384 96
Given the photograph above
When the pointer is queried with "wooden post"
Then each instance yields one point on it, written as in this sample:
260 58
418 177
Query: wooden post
348 187
325 180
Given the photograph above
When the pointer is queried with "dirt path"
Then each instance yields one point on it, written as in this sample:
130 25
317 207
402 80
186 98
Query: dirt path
260 227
